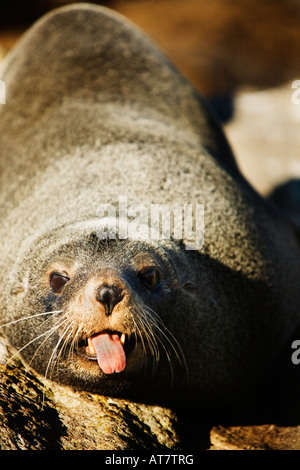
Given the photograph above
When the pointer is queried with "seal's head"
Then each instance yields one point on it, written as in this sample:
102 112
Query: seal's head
94 310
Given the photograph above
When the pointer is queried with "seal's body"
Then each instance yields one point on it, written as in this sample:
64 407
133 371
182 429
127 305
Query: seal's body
95 113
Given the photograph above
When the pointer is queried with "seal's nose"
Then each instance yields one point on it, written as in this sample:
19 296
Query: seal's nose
109 296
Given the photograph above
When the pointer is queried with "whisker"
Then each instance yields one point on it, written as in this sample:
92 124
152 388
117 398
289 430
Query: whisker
137 332
74 342
148 322
150 335
49 332
70 334
54 359
29 317
68 337
179 355
156 346
144 331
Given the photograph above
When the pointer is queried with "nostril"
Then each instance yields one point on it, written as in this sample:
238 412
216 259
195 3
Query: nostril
109 296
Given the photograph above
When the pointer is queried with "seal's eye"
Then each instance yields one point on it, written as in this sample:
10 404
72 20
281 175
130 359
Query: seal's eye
149 277
58 282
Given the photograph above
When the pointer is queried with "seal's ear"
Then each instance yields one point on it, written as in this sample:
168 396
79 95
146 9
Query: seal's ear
189 287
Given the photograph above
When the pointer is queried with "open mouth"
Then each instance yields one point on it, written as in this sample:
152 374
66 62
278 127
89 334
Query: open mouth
109 348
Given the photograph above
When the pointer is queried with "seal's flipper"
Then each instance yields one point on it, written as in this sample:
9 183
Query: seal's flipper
90 53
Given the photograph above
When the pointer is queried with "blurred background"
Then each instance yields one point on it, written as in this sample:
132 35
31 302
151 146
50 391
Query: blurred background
244 55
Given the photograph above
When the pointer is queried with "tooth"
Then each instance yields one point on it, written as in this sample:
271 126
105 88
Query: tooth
122 339
90 347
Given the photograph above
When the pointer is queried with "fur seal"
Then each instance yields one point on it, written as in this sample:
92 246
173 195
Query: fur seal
95 112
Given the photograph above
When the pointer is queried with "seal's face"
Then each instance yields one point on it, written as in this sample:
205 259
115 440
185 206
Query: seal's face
98 313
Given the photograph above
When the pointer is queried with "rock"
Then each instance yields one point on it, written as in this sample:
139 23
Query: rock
36 414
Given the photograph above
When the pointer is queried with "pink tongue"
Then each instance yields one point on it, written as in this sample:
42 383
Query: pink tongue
110 353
